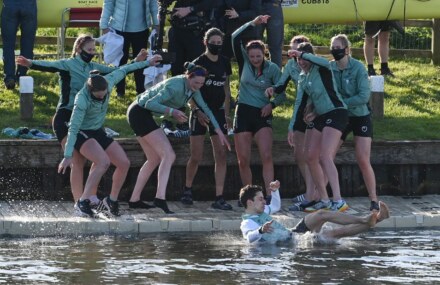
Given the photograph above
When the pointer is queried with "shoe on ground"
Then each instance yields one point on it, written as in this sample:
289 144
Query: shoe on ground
318 206
10 84
221 204
109 207
299 198
295 207
301 206
374 206
139 205
83 209
371 72
340 206
187 197
386 72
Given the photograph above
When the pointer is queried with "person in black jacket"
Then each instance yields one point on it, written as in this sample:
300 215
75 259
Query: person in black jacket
232 15
190 19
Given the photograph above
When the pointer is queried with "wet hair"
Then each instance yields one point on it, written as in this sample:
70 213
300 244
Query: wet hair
193 70
300 39
213 32
80 42
249 192
306 47
96 82
256 44
342 38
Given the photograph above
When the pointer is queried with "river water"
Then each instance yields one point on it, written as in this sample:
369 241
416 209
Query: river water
379 257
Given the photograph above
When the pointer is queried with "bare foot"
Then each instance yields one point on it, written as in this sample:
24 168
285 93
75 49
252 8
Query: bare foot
384 212
372 219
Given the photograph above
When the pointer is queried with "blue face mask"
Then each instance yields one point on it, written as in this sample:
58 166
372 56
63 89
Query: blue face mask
85 56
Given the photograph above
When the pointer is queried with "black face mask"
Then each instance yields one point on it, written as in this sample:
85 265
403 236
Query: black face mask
214 49
338 53
87 57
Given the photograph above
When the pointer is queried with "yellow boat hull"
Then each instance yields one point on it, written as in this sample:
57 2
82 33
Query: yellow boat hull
343 11
295 11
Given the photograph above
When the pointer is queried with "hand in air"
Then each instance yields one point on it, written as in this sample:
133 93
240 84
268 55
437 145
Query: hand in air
155 60
262 19
274 185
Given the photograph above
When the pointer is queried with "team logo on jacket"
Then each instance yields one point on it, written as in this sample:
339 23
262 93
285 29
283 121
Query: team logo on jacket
328 122
364 129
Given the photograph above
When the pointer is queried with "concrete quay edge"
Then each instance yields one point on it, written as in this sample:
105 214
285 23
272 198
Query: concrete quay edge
49 218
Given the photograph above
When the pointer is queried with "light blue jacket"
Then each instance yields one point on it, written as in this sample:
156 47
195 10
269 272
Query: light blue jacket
115 14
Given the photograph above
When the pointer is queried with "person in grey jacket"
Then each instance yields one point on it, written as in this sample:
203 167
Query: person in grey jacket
132 20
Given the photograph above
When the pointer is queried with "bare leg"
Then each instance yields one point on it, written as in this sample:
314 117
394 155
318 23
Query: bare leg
383 46
363 149
369 49
263 139
316 220
94 152
329 145
220 164
146 170
196 145
243 143
120 160
313 153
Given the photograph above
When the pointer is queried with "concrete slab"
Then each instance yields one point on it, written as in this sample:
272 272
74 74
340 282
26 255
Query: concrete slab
48 218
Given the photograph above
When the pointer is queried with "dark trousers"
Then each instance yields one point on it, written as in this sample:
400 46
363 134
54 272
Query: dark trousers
137 41
23 14
187 44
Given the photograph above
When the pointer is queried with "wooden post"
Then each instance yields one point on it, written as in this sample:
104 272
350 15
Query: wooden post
377 96
26 97
435 43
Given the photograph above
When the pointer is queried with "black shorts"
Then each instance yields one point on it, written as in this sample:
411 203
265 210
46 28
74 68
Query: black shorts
248 119
336 119
60 123
372 27
141 120
360 126
300 125
198 130
301 227
99 135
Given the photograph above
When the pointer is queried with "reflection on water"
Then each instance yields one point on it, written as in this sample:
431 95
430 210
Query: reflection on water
403 257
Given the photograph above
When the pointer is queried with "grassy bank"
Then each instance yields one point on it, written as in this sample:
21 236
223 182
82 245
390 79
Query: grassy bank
412 105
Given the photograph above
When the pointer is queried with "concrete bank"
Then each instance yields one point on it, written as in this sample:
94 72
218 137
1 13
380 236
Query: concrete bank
49 218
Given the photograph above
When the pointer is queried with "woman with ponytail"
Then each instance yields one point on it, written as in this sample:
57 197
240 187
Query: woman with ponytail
87 136
165 98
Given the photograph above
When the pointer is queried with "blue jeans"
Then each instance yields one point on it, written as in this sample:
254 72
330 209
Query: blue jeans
275 30
23 14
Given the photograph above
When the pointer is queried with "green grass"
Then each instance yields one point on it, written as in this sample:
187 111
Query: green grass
412 105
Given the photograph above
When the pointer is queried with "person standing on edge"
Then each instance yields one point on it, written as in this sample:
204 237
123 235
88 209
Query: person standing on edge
382 30
352 81
166 97
73 73
274 29
298 134
23 14
328 113
86 135
189 21
132 20
233 14
253 114
216 92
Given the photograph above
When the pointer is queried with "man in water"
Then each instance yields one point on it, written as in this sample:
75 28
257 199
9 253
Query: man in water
258 225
